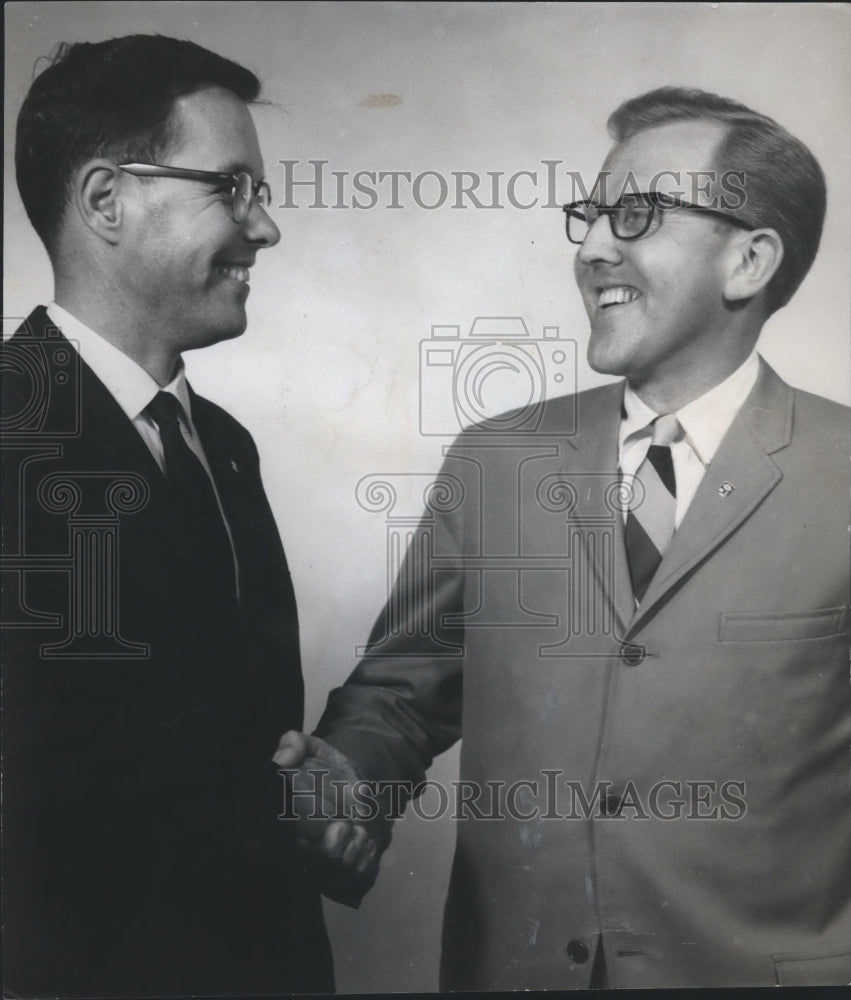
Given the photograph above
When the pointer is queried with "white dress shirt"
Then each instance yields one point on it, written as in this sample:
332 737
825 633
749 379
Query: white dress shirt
704 420
133 388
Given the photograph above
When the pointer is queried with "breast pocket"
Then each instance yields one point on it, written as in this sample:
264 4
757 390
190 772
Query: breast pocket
782 626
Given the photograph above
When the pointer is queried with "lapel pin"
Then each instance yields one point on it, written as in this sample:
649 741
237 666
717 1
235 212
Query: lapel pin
233 465
725 489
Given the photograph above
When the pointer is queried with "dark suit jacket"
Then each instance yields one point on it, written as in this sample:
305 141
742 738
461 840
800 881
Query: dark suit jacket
141 707
732 675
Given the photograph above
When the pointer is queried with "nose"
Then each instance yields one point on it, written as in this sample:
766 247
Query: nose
600 244
259 228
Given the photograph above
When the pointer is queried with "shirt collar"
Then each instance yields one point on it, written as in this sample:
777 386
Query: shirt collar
130 385
706 419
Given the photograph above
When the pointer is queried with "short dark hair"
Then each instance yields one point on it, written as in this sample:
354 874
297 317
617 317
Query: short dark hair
783 181
112 99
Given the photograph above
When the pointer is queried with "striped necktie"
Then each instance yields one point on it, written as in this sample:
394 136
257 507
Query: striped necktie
650 527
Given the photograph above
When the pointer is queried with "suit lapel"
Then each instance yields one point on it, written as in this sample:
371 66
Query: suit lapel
229 472
110 434
106 441
592 469
738 479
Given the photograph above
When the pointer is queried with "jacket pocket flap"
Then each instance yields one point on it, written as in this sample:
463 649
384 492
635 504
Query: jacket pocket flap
781 625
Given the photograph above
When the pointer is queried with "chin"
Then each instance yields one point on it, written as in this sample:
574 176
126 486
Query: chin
230 330
603 363
217 335
233 332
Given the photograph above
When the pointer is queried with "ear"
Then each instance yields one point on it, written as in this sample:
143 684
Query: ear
755 258
97 198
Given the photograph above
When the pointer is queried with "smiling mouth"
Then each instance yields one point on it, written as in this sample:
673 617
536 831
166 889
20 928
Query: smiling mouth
234 271
617 295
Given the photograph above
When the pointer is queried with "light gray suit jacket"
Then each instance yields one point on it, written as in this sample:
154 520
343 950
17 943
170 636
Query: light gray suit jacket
726 691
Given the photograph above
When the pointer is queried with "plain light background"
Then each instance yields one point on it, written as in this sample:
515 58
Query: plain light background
327 376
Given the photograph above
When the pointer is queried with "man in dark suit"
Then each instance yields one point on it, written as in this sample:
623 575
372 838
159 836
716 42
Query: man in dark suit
151 647
645 589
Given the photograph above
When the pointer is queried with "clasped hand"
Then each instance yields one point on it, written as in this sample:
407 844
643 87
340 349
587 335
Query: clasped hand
344 852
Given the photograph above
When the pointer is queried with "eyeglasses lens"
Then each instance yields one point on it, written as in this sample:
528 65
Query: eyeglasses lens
631 219
628 219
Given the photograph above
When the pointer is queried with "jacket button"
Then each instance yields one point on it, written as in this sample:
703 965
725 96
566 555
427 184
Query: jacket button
631 654
577 951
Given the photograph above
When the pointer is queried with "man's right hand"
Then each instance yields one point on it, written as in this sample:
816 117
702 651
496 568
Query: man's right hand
343 852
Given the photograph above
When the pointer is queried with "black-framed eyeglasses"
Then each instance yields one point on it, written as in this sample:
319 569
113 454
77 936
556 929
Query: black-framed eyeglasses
632 216
244 189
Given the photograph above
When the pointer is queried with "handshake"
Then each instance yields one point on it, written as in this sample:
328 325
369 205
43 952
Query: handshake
343 852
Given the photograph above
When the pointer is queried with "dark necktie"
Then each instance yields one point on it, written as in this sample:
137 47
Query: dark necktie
650 527
194 497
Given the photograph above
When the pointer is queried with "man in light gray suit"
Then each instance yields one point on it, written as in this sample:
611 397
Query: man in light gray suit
645 590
